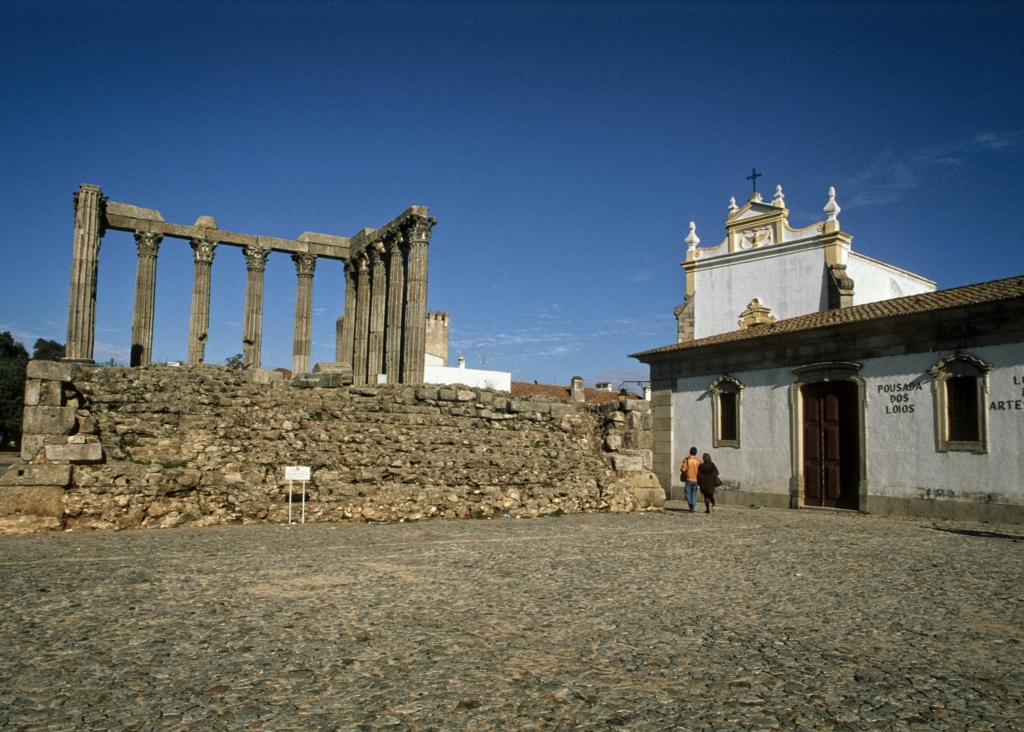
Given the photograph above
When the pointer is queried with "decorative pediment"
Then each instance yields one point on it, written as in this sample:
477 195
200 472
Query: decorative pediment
959 364
755 314
726 384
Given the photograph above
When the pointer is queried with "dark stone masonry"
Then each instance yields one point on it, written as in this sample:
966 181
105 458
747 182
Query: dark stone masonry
164 446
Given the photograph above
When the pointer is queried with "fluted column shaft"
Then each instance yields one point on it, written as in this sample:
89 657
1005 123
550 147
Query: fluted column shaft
362 323
305 264
396 295
346 338
89 204
415 341
378 300
148 244
199 320
252 321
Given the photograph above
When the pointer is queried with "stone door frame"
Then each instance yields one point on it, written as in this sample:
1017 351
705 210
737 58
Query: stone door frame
817 373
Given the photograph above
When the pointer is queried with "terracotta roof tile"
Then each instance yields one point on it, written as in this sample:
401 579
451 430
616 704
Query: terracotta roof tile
591 396
982 292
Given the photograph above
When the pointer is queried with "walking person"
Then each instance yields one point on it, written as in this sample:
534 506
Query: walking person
688 474
707 479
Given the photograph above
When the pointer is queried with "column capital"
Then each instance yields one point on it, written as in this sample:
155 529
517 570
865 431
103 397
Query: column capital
101 204
148 243
375 252
362 262
393 242
202 250
305 264
255 258
418 229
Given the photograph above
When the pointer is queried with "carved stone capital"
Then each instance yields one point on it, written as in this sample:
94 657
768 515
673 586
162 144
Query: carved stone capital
362 264
375 252
305 264
202 250
418 229
148 243
255 258
393 243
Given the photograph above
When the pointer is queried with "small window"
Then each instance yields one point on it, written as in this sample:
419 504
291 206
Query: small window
962 398
727 417
961 387
725 411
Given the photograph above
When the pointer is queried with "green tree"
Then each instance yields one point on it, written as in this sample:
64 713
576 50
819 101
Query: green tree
47 351
236 362
13 360
10 348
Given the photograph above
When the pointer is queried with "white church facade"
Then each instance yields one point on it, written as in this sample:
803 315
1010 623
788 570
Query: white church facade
819 377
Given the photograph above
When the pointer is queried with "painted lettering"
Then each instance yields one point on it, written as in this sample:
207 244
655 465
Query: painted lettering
899 409
890 388
1009 405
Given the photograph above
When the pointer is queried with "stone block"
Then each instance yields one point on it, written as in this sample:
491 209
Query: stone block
324 380
447 395
524 406
613 442
465 396
51 394
561 410
261 376
634 405
32 389
28 524
334 367
35 500
646 421
500 403
648 490
426 395
49 420
31 445
80 453
627 463
50 370
50 475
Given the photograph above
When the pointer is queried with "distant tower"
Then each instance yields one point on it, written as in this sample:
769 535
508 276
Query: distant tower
437 338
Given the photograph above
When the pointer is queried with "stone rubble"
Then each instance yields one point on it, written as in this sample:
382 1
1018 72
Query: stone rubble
165 446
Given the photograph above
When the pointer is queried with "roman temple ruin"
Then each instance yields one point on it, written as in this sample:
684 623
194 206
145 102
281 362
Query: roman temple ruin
381 336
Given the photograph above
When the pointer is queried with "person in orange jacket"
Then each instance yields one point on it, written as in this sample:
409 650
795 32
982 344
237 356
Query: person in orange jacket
688 474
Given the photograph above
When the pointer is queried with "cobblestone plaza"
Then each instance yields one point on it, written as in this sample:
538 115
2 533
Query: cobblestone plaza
744 619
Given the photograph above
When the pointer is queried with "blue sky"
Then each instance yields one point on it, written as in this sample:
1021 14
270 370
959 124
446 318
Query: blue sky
563 148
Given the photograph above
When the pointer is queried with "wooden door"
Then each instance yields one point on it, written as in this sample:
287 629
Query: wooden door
831 449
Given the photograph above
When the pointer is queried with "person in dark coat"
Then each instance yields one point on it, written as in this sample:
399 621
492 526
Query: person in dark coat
707 481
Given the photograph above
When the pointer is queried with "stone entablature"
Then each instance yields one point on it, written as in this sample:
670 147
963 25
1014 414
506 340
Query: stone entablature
399 291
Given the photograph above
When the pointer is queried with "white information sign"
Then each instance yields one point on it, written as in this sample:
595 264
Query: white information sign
296 472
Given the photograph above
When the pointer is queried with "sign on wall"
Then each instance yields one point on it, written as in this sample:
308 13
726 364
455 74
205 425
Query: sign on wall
296 472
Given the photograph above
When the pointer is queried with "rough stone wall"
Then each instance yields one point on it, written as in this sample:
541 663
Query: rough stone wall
161 446
437 335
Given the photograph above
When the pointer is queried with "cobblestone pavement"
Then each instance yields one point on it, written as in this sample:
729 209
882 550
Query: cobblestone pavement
745 619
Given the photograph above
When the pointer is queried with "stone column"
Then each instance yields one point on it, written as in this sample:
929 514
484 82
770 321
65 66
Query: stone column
396 295
148 244
362 322
89 209
378 300
417 232
346 338
304 266
252 320
199 321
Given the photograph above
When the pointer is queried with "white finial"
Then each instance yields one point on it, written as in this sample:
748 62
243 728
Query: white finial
832 208
692 241
733 208
779 199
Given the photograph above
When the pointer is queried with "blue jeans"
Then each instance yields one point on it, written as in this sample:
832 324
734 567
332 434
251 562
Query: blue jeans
691 493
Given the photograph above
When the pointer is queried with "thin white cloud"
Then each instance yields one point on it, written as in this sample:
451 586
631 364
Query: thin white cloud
888 177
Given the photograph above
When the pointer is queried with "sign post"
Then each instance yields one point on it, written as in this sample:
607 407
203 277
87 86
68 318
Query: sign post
300 473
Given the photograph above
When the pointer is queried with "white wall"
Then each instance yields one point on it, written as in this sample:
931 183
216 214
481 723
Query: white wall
762 463
790 285
874 280
476 378
902 458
